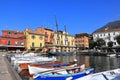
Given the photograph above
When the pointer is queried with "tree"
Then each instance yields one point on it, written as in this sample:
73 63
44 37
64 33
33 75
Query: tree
118 39
100 42
110 44
92 44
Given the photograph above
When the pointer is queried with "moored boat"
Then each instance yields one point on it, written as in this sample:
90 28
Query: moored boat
68 73
32 59
46 67
24 66
105 75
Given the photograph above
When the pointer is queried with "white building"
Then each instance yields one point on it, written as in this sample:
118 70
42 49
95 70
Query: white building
63 42
107 34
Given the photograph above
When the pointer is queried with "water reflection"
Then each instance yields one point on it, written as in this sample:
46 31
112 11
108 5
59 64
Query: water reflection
100 63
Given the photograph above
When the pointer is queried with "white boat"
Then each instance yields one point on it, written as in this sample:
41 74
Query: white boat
105 75
66 73
34 69
26 55
111 55
22 56
36 59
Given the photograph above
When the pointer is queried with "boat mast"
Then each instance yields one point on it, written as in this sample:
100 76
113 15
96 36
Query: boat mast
66 39
57 32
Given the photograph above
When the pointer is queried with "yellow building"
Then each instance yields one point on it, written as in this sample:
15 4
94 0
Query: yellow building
49 35
34 40
63 42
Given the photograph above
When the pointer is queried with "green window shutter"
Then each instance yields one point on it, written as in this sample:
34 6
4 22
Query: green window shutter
8 42
40 44
32 44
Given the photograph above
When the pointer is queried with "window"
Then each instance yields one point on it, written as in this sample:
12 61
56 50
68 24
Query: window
82 45
114 43
15 33
22 43
41 37
72 42
68 43
109 34
40 44
33 44
114 38
46 35
104 34
57 42
33 37
8 42
113 33
51 36
8 32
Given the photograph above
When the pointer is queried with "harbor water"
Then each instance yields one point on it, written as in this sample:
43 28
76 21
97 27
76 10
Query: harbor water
99 63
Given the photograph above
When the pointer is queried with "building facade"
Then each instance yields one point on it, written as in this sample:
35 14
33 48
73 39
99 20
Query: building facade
49 37
107 34
82 40
12 40
63 42
34 40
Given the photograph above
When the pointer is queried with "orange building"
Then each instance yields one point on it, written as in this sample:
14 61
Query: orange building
82 40
49 37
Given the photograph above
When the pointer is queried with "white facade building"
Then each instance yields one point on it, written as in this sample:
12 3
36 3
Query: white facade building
63 42
107 34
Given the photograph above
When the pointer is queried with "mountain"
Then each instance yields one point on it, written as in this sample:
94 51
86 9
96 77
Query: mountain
113 24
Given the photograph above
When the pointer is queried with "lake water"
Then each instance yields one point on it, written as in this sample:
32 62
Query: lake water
99 63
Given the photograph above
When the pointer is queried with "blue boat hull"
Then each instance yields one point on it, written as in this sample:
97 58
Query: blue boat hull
65 76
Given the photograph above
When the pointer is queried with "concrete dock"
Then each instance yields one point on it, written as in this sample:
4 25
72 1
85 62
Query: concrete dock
6 70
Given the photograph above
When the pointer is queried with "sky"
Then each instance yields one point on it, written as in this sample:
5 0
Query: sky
78 15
